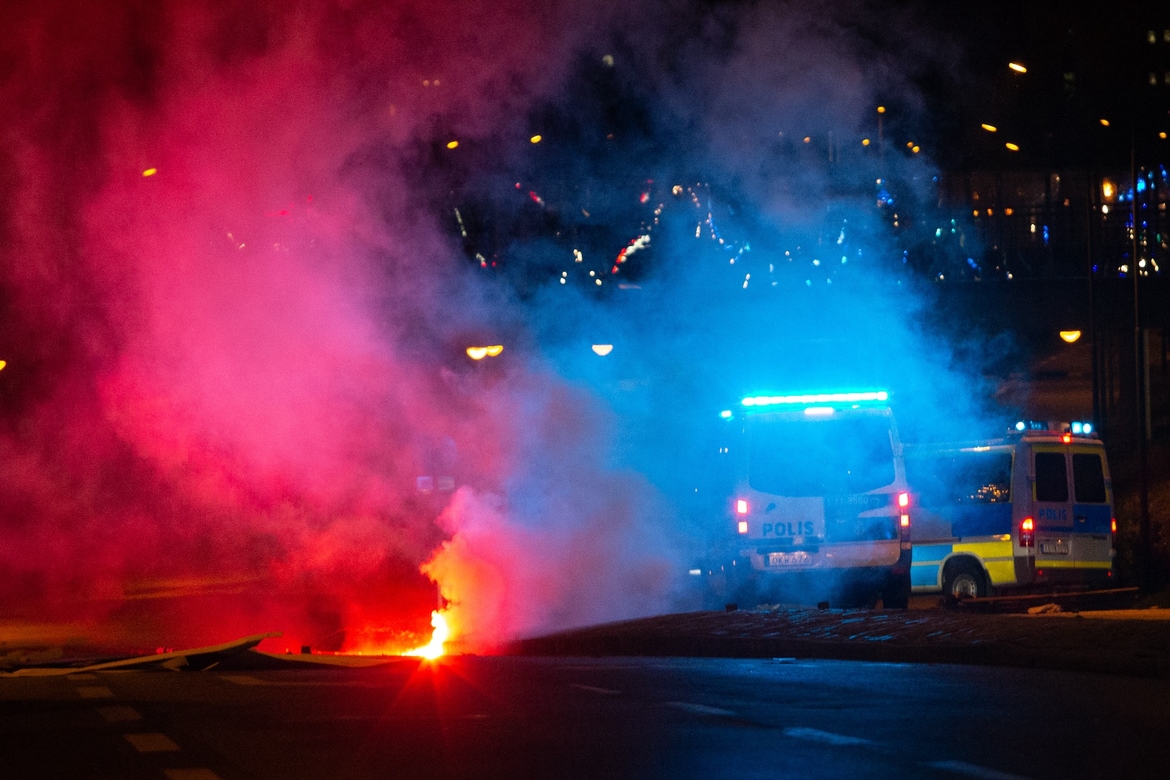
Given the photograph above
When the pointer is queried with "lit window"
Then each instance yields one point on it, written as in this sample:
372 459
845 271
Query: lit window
1151 37
1166 76
1153 79
1166 36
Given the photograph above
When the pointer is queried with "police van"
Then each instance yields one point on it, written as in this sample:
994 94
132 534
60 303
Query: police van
1028 511
821 508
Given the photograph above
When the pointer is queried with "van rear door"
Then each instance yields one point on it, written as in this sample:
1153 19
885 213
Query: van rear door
1052 506
1092 541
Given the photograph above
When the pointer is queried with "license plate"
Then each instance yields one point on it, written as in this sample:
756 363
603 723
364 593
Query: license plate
798 558
1054 548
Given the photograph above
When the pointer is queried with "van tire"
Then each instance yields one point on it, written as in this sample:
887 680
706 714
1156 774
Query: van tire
963 579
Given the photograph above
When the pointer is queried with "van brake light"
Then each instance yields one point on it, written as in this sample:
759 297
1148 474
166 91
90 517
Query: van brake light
1113 525
904 521
1027 532
741 507
742 528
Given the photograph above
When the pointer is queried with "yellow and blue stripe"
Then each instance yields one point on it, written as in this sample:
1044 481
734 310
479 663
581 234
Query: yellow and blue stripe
994 552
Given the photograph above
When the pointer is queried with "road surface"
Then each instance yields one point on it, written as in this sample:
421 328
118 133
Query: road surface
518 717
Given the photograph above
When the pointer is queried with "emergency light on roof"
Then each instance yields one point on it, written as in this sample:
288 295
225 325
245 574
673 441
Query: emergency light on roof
817 399
1077 428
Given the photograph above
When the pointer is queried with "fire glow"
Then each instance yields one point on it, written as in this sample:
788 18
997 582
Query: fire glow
434 649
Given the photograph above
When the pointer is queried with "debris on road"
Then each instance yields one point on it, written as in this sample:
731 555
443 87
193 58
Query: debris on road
1045 609
1117 645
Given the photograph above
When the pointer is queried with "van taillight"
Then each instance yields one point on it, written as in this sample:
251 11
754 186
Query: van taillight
1113 526
741 507
903 502
742 528
1027 532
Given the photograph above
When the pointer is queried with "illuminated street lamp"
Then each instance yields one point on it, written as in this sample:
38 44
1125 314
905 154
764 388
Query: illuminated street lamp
1070 336
1017 67
479 353
602 349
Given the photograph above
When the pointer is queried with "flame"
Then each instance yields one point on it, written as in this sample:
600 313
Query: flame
434 648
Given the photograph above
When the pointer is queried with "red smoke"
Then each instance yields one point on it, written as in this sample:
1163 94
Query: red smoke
225 377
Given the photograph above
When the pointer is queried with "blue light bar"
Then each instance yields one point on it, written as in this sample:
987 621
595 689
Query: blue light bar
1082 427
817 399
725 414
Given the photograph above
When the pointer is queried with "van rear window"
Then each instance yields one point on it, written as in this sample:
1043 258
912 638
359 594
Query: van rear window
1088 478
1051 477
819 458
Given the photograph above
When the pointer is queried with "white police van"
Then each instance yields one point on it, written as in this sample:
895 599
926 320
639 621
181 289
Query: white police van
1028 511
820 509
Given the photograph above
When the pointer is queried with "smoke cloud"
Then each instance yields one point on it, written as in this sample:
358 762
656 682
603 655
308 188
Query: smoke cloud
235 301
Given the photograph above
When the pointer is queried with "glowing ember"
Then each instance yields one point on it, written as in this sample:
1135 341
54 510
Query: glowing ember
434 648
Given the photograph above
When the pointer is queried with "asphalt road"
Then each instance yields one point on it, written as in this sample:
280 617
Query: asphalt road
516 717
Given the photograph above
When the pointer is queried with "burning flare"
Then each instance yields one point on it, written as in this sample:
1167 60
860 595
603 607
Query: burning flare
434 648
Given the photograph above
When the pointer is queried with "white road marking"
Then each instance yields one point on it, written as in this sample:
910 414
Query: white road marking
190 774
826 737
700 709
151 743
118 714
95 692
973 770
593 689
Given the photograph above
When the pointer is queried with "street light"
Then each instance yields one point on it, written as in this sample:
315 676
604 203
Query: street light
479 353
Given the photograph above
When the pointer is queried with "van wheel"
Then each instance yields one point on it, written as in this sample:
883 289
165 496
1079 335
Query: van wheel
963 579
